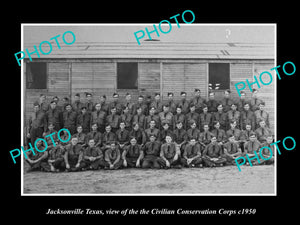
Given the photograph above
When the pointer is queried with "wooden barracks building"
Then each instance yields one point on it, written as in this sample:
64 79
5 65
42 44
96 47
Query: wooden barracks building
153 66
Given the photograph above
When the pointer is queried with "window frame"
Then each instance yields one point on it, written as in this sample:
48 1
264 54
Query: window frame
46 76
229 78
137 78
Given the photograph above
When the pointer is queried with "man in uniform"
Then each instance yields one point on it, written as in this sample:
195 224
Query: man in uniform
128 103
151 152
169 154
205 136
56 158
179 117
166 116
213 154
99 117
37 124
69 119
38 161
255 101
152 116
54 115
113 119
104 106
84 119
219 133
205 118
266 152
234 131
73 155
95 135
157 103
191 156
251 146
152 130
132 154
212 103
89 103
247 116
139 118
171 103
263 131
197 101
138 134
241 101
122 136
261 114
233 114
92 157
113 159
116 104
77 105
108 137
42 103
180 136
193 132
166 131
192 115
140 104
221 117
227 101
183 103
231 150
81 137
127 117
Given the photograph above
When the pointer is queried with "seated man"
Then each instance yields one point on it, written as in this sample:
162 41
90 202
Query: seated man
56 158
234 131
108 136
126 117
113 159
94 134
212 155
231 150
80 136
73 155
151 152
266 152
193 132
169 154
179 117
92 157
219 133
166 131
251 146
139 117
122 136
139 135
245 134
152 130
38 161
263 131
132 154
192 155
205 136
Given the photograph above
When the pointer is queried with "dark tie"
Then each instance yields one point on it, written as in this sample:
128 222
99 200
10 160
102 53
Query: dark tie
263 131
193 132
231 147
233 114
246 114
205 135
226 101
253 146
98 112
204 116
169 148
217 133
261 113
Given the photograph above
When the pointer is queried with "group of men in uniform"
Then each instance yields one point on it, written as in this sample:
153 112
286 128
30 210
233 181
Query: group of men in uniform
149 133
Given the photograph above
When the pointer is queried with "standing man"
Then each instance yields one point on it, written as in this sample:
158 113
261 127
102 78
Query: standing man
104 106
128 103
171 103
140 104
255 101
139 118
247 116
69 119
84 119
116 104
42 103
197 101
169 154
227 101
183 103
127 117
157 103
205 118
212 103
77 105
113 119
98 117
37 124
221 117
54 115
89 103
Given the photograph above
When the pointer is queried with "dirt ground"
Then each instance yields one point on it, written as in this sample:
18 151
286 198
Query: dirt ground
220 180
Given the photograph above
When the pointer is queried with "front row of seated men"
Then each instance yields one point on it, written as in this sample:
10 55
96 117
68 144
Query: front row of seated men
77 156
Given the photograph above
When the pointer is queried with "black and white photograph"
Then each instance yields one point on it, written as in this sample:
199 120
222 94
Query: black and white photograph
149 109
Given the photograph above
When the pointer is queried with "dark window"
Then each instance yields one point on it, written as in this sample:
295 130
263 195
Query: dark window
36 75
219 76
127 74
